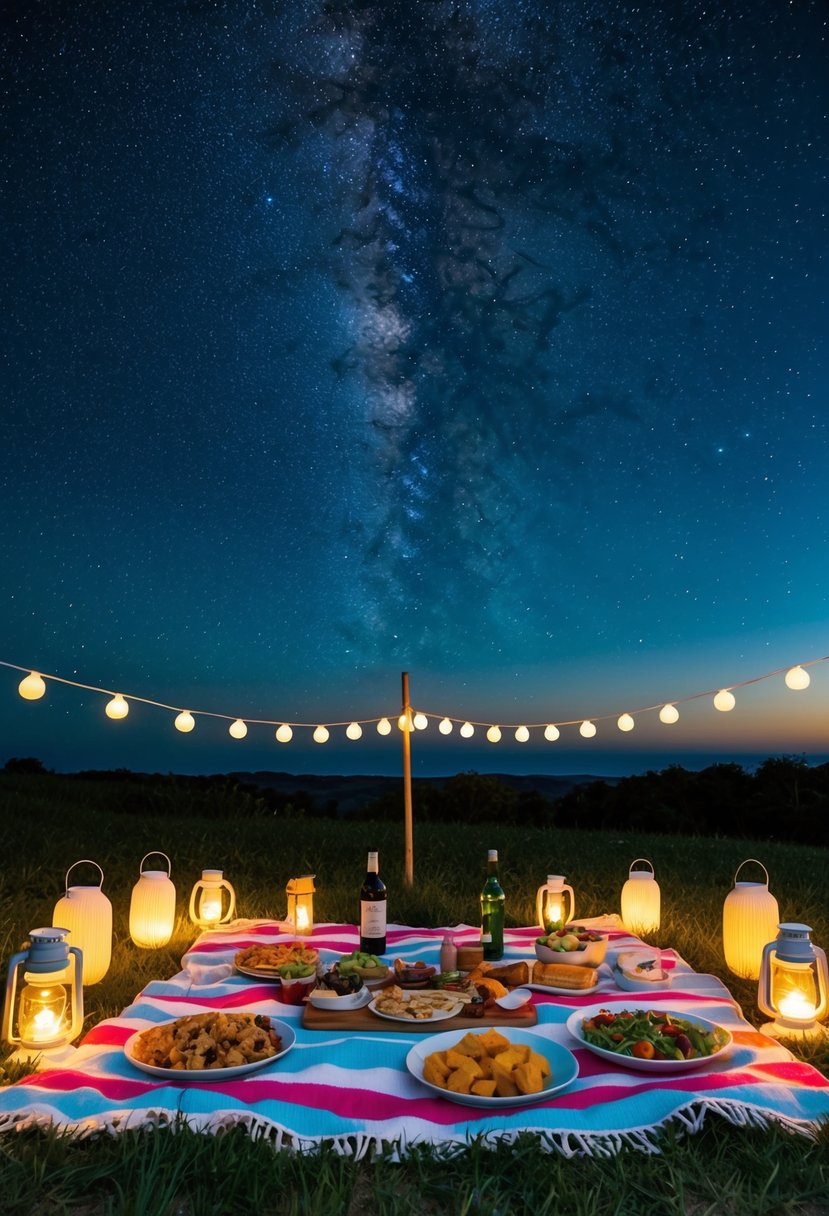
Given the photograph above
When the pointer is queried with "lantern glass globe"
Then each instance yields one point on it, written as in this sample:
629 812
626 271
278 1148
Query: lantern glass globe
522 734
384 727
797 678
237 729
321 734
445 727
283 733
32 687
420 721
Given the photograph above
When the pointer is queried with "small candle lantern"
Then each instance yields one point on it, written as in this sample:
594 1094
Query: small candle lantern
555 903
641 899
46 1013
749 920
153 906
300 892
212 900
794 982
87 914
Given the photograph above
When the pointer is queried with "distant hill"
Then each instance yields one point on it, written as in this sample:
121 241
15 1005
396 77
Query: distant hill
353 793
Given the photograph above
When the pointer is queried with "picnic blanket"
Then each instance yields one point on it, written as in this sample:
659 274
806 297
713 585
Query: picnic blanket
353 1090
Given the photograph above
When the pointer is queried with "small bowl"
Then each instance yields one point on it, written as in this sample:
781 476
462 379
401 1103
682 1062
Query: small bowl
591 954
294 991
639 972
324 998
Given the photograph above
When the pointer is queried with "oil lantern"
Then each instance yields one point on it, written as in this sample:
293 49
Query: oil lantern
551 900
794 982
46 1013
87 914
641 899
212 900
300 892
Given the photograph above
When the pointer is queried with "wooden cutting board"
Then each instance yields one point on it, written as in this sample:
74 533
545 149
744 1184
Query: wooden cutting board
364 1020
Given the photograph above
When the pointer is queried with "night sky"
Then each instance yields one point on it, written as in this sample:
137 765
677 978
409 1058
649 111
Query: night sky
484 341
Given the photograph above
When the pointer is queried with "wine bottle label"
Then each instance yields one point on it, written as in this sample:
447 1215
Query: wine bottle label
486 938
373 918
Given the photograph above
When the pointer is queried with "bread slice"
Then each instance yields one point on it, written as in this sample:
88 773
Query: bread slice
565 975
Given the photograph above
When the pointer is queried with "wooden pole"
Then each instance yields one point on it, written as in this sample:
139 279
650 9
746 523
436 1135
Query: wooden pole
407 781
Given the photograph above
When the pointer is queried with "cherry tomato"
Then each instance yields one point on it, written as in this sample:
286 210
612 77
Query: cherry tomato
643 1050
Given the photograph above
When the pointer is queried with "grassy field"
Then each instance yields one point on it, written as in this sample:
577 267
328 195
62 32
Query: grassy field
49 822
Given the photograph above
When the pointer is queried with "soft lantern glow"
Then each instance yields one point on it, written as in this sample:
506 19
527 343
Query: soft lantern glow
86 914
153 906
494 734
445 726
467 730
522 734
300 892
404 722
749 921
32 687
641 899
668 714
237 729
587 730
354 730
724 700
117 708
384 727
321 734
555 903
797 678
44 1015
420 721
625 722
212 900
794 982
551 733
185 722
284 734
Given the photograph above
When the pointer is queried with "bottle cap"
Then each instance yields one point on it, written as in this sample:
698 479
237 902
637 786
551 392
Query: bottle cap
492 855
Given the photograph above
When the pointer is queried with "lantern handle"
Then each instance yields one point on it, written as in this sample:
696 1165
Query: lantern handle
156 853
85 861
757 863
647 863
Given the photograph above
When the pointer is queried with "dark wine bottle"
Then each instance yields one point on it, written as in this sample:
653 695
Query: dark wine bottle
492 910
373 910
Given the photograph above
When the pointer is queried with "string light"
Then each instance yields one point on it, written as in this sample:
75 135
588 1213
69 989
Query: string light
551 733
32 687
185 722
467 730
321 734
725 700
283 733
445 726
384 727
354 730
669 714
420 721
117 708
494 734
587 730
797 679
625 722
237 729
522 734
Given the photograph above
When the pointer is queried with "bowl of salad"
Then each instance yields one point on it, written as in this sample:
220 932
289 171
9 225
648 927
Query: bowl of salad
574 945
649 1040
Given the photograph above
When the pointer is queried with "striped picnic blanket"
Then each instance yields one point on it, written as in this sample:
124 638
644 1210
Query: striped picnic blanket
352 1089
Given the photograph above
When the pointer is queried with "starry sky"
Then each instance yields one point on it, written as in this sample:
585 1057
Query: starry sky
482 341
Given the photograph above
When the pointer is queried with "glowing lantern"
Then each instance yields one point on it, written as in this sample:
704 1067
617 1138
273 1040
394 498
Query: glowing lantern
354 730
587 730
494 734
321 734
625 722
522 734
445 726
237 729
404 722
725 700
794 982
467 730
669 714
384 727
797 678
300 892
86 914
32 687
47 1012
641 899
551 733
284 734
750 918
117 708
153 906
551 900
420 721
185 722
207 900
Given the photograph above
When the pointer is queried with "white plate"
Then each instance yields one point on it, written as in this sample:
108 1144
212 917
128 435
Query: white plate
438 1015
564 991
177 1076
616 1005
563 1067
339 1004
272 976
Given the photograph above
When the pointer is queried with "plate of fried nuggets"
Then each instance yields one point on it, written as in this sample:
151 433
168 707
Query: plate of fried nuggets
492 1069
215 1046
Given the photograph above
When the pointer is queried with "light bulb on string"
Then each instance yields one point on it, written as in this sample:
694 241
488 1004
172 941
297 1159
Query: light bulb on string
587 729
445 726
625 722
668 714
32 687
551 733
797 678
724 700
420 721
494 734
354 730
117 708
321 734
185 722
467 730
283 733
522 734
383 727
237 729
404 722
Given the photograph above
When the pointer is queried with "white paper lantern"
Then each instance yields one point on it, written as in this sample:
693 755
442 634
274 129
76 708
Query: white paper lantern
87 915
641 899
750 919
153 906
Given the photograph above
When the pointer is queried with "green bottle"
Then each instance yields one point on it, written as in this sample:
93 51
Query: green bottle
492 910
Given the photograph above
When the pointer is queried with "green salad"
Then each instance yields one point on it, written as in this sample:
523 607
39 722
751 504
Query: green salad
651 1034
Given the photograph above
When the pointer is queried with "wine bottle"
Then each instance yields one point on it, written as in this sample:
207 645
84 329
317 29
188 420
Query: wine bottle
373 910
492 910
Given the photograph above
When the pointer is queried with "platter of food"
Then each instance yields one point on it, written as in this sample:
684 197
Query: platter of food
215 1046
648 1040
397 1005
277 961
494 1069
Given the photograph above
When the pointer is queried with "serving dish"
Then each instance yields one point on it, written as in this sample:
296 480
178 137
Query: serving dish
326 999
437 1015
639 971
589 953
184 1076
575 1028
563 1068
